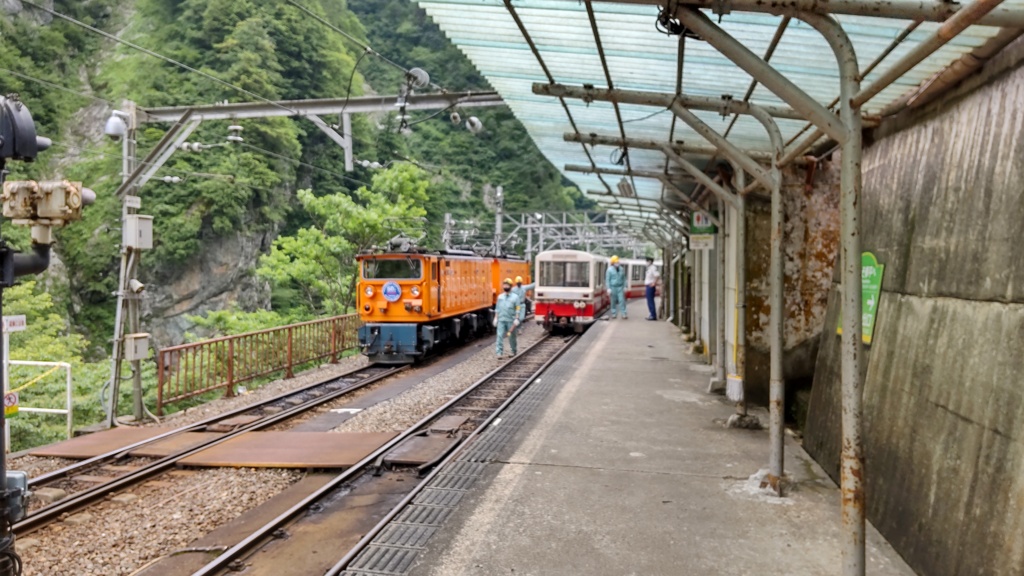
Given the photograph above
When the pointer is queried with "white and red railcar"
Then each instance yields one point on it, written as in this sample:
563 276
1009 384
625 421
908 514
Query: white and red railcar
571 291
636 270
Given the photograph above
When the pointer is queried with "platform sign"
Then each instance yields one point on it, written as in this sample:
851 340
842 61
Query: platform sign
870 292
702 242
10 404
702 231
14 323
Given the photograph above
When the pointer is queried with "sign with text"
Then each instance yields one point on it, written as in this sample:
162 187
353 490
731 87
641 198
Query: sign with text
14 323
702 242
870 292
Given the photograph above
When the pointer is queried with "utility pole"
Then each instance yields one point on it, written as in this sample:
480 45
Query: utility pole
136 236
499 205
446 234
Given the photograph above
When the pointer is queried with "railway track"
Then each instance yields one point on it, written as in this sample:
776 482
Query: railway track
327 527
124 469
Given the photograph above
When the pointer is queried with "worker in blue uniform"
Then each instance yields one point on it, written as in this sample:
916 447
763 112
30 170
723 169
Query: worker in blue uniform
520 291
615 280
506 317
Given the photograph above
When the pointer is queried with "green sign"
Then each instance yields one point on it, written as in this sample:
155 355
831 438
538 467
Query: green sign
700 223
870 291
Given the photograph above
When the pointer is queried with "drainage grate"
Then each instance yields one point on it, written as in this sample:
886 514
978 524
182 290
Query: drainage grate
394 550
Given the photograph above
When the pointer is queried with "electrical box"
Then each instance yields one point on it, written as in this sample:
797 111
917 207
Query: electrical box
138 232
17 494
136 346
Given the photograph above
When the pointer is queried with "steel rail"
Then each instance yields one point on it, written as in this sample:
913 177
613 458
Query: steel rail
48 514
116 454
452 455
265 532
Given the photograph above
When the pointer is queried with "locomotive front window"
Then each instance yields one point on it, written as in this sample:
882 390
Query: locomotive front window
565 274
392 269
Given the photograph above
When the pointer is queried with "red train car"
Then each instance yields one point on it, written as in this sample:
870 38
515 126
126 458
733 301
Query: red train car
570 292
635 272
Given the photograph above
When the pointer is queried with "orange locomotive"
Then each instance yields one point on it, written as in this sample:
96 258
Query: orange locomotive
413 303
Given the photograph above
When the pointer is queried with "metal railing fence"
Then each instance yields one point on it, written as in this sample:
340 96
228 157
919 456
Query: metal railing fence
189 370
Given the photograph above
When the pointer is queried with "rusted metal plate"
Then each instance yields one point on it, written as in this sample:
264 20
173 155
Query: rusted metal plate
200 552
174 444
232 423
292 450
313 545
419 450
448 424
97 443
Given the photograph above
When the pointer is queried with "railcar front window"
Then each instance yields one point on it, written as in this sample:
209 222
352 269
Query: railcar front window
565 274
392 269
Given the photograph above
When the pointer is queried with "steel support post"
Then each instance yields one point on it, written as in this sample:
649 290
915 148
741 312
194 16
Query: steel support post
343 140
741 292
719 379
827 121
695 296
776 337
852 456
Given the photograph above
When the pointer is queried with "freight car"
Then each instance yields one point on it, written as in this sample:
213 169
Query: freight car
570 291
415 303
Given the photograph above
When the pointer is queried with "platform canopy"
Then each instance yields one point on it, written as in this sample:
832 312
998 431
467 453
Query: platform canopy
516 44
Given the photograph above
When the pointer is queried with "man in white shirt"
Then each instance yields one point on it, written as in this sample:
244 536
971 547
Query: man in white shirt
651 280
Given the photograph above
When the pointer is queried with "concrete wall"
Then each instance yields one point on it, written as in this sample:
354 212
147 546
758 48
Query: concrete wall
943 209
810 244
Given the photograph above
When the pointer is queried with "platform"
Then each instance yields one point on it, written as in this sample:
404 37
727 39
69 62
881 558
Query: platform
622 466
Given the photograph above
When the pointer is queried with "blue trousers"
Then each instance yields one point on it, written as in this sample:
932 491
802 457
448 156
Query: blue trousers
618 301
649 291
505 327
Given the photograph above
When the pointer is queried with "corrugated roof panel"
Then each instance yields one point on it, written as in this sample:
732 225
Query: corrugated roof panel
639 58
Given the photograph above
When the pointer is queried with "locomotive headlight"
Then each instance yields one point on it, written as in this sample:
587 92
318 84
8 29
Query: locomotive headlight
368 291
415 290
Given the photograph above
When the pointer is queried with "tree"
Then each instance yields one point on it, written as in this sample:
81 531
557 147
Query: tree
319 260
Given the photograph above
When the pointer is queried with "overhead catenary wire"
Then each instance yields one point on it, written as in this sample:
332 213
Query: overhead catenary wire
49 84
301 163
159 56
364 46
89 152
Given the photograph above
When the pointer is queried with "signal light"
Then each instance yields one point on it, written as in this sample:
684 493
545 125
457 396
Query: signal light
18 140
